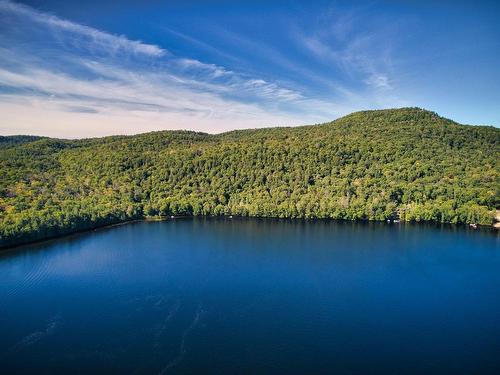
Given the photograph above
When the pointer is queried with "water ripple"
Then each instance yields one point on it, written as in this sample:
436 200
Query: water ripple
37 273
163 326
38 335
182 346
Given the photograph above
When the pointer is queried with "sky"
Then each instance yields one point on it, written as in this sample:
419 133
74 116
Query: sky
73 69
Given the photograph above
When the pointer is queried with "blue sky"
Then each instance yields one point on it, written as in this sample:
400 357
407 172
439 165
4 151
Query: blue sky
82 69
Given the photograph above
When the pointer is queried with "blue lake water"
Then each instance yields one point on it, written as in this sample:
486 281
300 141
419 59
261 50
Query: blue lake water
252 296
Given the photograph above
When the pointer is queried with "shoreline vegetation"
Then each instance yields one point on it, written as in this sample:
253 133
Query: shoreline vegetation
6 248
404 164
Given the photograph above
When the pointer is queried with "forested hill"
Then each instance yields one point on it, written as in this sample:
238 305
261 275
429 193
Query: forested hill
405 163
16 140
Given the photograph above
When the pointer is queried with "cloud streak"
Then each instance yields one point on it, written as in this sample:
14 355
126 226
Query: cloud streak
355 45
88 36
353 58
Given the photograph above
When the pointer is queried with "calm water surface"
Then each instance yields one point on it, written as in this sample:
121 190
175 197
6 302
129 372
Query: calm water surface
253 296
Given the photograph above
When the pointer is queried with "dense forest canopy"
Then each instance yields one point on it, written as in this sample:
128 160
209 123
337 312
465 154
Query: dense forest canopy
407 164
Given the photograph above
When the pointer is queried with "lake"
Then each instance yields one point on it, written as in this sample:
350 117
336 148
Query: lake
256 296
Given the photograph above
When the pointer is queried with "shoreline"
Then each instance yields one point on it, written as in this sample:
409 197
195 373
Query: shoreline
9 248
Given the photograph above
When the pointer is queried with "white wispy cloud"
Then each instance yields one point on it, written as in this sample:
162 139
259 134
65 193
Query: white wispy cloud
354 43
353 58
379 81
356 69
200 44
87 36
274 56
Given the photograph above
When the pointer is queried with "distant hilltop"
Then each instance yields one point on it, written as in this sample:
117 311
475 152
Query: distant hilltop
404 164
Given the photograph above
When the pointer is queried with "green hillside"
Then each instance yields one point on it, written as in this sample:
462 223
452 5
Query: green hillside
15 140
401 163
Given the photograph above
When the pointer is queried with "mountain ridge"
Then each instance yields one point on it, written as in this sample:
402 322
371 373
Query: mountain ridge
407 110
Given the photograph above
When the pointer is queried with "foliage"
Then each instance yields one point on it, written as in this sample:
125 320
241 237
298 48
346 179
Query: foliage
374 165
14 140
